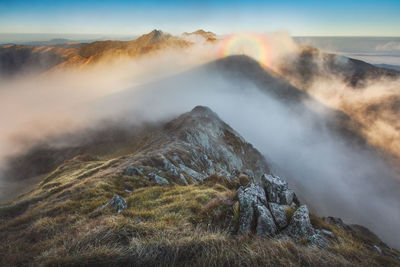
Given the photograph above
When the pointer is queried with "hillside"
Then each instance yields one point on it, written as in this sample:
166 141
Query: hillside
191 191
310 64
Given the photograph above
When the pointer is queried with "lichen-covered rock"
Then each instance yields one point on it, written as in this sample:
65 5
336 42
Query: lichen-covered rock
277 190
132 170
158 179
249 198
118 203
254 211
265 223
279 214
300 228
300 224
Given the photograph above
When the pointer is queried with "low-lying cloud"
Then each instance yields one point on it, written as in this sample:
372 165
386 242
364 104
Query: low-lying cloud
330 175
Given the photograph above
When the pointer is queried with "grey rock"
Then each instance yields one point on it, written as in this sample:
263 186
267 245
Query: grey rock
300 228
192 173
158 179
277 190
170 168
378 249
327 233
265 223
279 214
249 198
317 239
128 191
132 170
118 203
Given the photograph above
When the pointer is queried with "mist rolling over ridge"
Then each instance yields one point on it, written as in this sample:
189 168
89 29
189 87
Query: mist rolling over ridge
218 121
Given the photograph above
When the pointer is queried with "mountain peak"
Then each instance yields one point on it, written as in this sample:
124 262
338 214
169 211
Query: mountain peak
156 33
209 36
155 36
203 111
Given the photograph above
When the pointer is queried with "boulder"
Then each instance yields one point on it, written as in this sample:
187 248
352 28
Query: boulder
249 199
265 223
158 179
279 214
378 249
300 228
277 190
118 203
327 233
286 197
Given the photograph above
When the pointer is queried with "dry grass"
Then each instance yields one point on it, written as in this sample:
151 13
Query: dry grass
59 223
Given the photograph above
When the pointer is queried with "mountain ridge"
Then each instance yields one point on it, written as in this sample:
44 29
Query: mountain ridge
151 203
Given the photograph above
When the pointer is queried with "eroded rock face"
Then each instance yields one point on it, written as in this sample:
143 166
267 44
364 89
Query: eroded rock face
197 145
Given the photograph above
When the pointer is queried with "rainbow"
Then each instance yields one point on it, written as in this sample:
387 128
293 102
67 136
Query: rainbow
253 45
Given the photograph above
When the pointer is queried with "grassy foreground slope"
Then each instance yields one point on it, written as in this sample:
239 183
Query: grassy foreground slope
61 222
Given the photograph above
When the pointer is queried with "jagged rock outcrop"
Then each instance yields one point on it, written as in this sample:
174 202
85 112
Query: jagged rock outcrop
264 210
195 146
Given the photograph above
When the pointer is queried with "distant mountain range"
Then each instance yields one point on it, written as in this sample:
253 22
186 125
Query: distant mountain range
16 59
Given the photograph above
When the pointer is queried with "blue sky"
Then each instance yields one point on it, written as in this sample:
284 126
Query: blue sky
300 17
